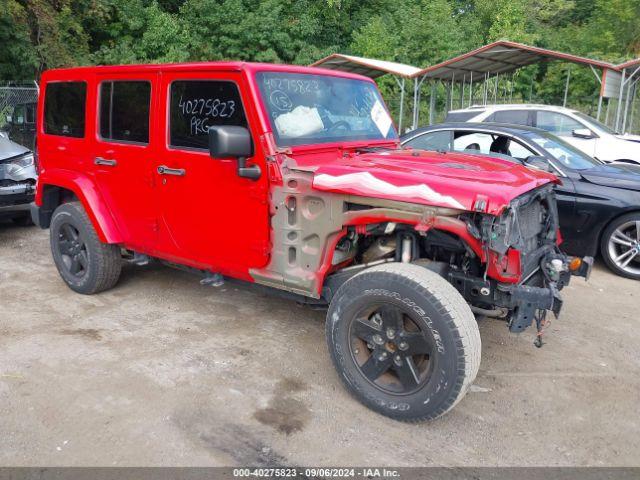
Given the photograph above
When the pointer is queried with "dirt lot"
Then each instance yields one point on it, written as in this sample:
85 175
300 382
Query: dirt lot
163 371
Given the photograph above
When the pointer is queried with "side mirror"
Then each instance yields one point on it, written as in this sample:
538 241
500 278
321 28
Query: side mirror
538 162
582 133
232 141
9 119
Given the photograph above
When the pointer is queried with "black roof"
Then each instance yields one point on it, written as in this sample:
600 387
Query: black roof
508 128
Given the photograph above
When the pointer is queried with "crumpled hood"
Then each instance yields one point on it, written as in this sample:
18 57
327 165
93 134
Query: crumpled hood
9 149
452 180
618 175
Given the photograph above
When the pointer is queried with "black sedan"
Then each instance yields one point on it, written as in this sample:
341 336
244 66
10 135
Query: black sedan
599 204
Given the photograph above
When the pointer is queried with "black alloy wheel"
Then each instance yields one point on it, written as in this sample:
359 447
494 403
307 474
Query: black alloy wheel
86 264
391 350
73 250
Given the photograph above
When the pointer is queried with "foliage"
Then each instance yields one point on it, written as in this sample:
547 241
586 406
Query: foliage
40 34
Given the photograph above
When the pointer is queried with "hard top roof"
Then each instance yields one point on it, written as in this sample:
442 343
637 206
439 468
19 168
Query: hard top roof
61 73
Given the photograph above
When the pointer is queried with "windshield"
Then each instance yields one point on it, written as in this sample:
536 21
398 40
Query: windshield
308 109
566 154
595 123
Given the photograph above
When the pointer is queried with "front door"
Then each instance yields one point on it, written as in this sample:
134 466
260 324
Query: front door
211 217
563 126
124 155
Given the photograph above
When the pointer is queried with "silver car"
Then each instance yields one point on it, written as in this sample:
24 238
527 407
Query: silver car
17 180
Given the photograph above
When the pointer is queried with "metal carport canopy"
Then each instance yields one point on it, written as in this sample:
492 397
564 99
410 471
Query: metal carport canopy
368 67
500 57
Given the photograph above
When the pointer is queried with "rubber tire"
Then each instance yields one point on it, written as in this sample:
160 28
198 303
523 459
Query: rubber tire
604 250
23 220
104 260
443 310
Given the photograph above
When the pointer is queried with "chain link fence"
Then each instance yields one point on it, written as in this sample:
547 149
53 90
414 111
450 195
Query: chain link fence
12 94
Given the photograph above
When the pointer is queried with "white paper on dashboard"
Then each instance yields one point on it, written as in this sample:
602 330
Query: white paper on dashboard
299 122
381 118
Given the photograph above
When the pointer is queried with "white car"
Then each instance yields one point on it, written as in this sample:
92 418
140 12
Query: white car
580 130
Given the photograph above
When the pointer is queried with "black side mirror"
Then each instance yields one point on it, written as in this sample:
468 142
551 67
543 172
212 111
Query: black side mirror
539 162
232 141
582 133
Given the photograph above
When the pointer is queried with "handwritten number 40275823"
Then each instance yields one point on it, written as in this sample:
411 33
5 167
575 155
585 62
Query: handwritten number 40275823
209 107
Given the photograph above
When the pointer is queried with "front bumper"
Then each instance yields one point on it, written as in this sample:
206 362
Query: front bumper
519 303
525 300
16 198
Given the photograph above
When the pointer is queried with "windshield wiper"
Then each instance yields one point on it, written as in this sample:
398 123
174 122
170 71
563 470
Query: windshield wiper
372 149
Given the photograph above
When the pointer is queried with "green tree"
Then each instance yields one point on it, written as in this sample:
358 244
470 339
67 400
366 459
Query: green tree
18 59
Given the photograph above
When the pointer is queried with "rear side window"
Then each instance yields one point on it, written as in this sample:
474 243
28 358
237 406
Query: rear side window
124 111
517 117
197 105
64 106
460 116
437 141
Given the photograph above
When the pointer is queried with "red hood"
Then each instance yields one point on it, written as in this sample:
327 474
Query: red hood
453 180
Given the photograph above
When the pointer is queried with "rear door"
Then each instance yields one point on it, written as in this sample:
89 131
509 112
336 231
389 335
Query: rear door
63 124
211 217
124 153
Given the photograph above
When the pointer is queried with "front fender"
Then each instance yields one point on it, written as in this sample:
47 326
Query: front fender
86 190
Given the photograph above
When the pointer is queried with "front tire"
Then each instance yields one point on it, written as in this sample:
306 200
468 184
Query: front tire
86 264
404 341
620 246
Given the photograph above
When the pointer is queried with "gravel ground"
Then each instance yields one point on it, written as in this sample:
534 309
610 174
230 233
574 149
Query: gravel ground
163 371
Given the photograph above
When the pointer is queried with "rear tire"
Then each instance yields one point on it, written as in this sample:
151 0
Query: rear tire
620 246
418 371
86 264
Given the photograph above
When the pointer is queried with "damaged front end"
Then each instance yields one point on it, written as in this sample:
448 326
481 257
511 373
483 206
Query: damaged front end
17 183
525 268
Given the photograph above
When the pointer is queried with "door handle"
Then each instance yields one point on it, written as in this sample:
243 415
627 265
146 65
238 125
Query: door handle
178 172
106 162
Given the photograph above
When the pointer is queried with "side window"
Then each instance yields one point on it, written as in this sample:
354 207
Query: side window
197 105
431 141
472 142
460 116
519 151
517 117
18 115
124 111
31 114
64 107
557 123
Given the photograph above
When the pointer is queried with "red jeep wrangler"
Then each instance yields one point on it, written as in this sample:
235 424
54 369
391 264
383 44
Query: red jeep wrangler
293 178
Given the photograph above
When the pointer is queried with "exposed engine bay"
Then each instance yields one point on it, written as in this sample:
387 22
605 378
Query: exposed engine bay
507 266
521 242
